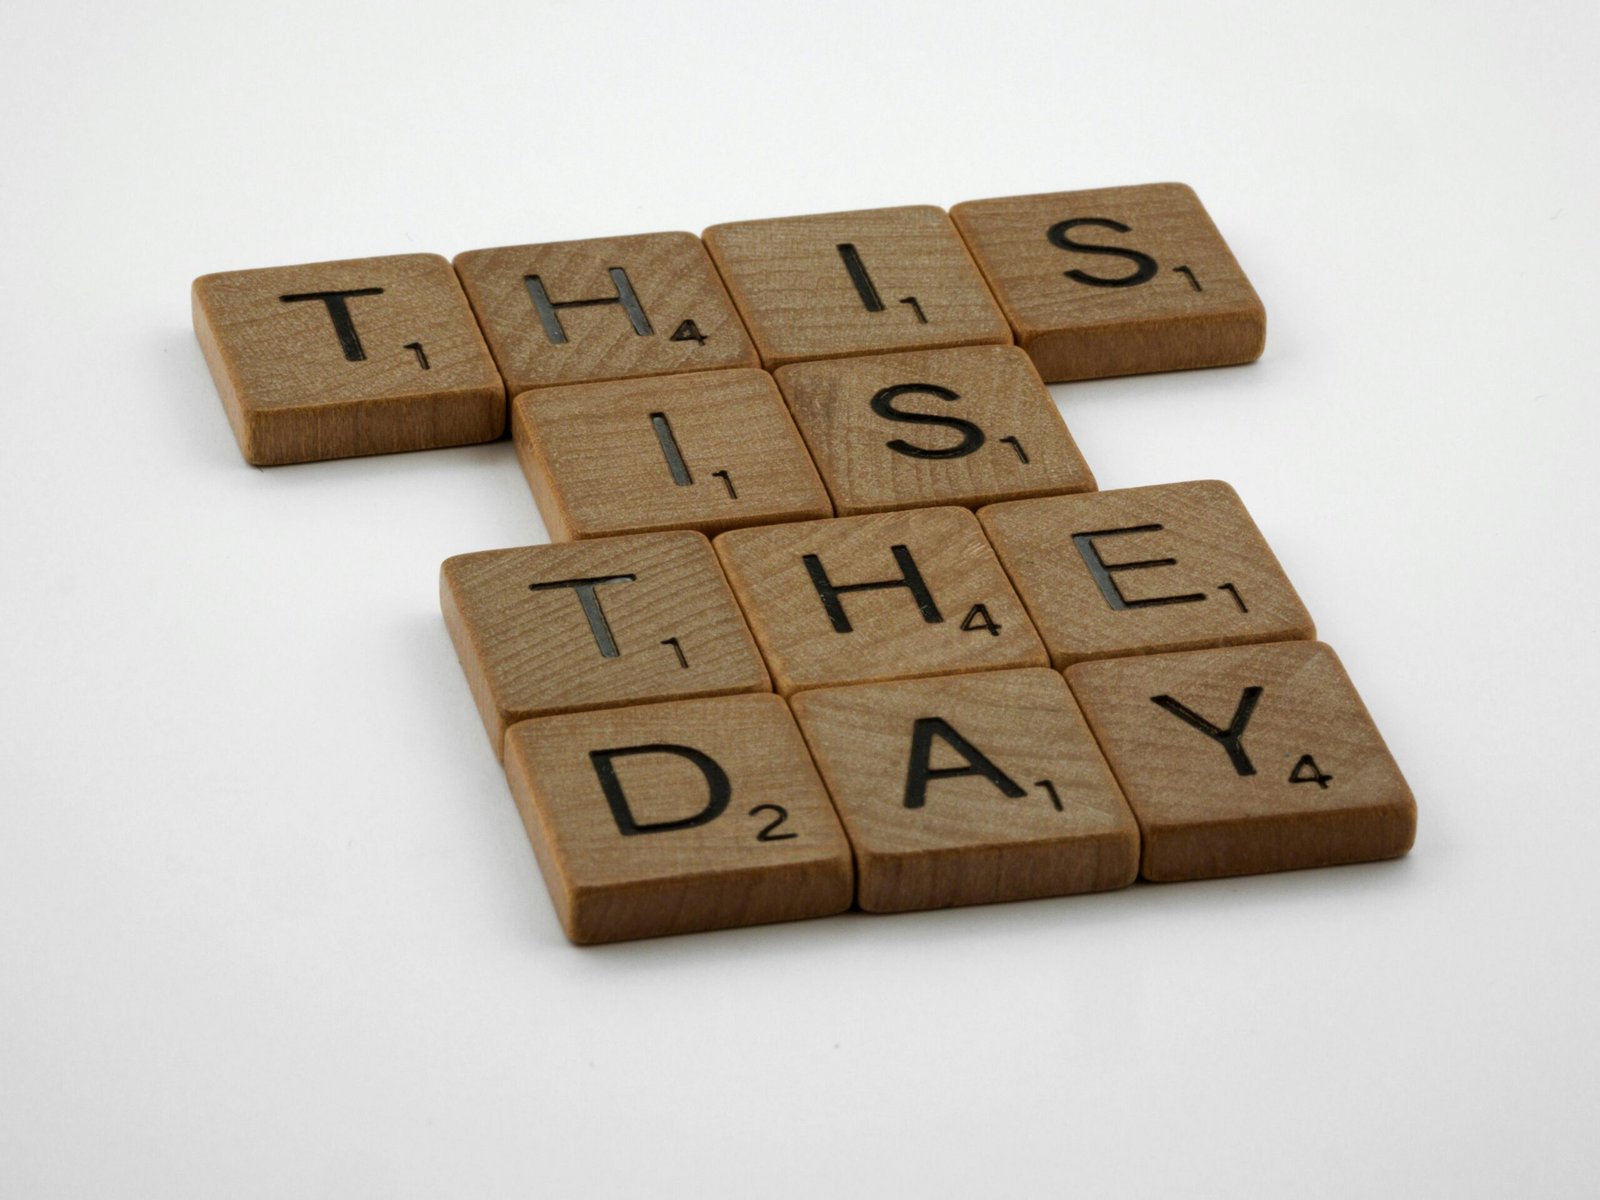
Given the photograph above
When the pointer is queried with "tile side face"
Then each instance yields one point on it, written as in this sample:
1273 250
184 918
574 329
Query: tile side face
969 789
336 359
1175 566
603 308
1115 281
678 817
867 282
885 596
1246 759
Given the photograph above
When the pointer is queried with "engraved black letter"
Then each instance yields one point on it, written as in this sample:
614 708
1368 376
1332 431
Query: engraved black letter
971 435
1230 738
339 314
551 320
716 781
591 607
1145 265
910 579
919 772
1102 571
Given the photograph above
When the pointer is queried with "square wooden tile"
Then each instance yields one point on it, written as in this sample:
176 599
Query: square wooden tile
883 596
603 308
1247 759
969 789
969 426
1115 281
1177 566
623 620
678 817
847 283
360 356
710 451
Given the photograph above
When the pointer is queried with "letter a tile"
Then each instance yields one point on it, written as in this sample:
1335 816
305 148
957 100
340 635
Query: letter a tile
1115 281
884 596
678 817
605 308
710 451
969 789
623 620
847 283
334 359
1178 566
1246 759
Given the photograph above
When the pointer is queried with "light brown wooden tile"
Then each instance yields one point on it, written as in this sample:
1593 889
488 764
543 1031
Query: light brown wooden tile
678 817
1177 566
360 356
1247 759
847 283
623 620
604 308
1115 281
710 451
884 596
969 426
969 789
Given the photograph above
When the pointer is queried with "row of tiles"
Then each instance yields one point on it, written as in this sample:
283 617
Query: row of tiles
953 790
1054 580
367 356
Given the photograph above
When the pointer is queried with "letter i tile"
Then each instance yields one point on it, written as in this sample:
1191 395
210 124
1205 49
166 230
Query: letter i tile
1246 759
678 817
621 620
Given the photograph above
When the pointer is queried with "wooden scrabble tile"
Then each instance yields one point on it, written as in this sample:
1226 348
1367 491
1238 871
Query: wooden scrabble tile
1246 759
1177 566
361 356
883 596
604 308
969 789
709 451
969 425
678 817
847 283
623 620
1115 281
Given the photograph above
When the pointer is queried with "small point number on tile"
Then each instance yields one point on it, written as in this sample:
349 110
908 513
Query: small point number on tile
1307 771
688 331
1016 445
422 356
1234 592
782 815
1050 790
978 618
1193 282
915 307
727 482
677 649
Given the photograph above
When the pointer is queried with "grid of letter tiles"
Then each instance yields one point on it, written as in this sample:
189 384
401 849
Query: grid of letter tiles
835 614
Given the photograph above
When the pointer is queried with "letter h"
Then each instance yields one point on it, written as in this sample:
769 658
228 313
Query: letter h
551 320
910 579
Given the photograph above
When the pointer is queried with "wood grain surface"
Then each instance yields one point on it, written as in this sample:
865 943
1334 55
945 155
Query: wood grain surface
969 789
678 817
1176 566
865 282
883 596
710 451
307 370
1271 762
1115 281
655 621
554 312
969 425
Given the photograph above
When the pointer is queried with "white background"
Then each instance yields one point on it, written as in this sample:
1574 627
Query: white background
269 925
